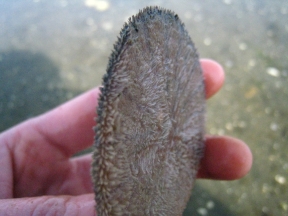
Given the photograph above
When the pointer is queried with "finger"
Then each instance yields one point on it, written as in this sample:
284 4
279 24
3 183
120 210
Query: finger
70 126
49 205
213 75
225 158
78 181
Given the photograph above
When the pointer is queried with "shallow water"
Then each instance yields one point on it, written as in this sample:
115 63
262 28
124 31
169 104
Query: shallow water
51 51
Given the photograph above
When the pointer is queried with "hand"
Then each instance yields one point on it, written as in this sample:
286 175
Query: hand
39 177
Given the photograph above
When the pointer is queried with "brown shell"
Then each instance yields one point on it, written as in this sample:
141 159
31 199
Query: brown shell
150 124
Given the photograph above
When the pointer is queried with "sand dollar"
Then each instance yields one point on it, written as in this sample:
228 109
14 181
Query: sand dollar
150 124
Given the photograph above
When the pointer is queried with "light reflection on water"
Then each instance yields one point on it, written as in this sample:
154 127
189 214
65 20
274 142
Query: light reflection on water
51 51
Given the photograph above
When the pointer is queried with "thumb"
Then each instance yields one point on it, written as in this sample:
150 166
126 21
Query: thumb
49 205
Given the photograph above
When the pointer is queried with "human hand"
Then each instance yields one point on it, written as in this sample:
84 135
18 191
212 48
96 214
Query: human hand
39 177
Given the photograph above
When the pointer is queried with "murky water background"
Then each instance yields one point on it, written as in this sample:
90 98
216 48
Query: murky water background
50 51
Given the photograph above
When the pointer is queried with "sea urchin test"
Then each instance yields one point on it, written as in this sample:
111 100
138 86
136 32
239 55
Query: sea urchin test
150 119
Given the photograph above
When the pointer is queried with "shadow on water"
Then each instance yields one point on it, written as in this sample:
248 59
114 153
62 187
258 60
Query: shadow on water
30 85
203 203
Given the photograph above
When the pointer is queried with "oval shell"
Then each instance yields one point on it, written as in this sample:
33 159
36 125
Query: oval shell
150 124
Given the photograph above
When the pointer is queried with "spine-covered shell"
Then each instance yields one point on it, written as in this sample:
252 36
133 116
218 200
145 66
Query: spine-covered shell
150 124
